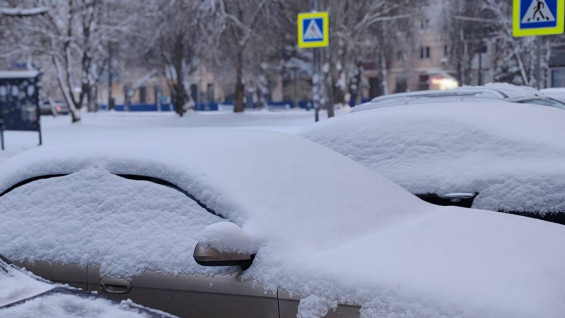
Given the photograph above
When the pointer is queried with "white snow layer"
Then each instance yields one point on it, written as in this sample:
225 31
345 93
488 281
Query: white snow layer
328 229
512 154
71 306
15 285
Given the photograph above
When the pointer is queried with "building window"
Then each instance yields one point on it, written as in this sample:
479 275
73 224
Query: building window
424 24
399 55
445 51
425 52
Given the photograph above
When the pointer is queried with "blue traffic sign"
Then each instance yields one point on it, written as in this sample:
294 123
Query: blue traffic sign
313 29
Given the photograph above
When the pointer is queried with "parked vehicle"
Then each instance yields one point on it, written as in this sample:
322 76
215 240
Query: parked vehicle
54 108
487 93
23 294
246 223
488 155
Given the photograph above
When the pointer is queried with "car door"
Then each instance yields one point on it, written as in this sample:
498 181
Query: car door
71 274
190 295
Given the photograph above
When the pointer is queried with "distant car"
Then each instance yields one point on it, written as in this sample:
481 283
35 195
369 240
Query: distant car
247 223
54 108
486 155
487 93
23 294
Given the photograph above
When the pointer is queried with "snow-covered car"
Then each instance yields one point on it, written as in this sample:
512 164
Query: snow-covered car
299 228
23 294
488 93
494 156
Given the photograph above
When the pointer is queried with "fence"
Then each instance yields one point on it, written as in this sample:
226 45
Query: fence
284 105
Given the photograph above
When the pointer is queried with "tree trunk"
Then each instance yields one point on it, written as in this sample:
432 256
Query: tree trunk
239 87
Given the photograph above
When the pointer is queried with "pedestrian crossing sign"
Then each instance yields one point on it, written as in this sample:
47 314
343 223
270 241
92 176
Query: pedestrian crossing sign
538 17
313 30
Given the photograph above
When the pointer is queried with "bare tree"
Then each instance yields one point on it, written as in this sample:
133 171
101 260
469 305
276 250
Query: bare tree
175 45
241 26
352 26
73 34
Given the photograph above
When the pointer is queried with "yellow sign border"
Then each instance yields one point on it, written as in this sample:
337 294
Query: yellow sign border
517 32
313 15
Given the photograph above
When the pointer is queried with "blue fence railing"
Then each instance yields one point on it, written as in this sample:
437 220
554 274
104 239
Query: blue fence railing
206 106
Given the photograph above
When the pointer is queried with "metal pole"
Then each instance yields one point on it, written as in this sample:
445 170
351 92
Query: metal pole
315 76
294 92
316 87
110 98
539 43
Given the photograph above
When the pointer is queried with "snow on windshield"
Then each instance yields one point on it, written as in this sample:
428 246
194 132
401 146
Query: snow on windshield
17 285
71 306
95 217
510 153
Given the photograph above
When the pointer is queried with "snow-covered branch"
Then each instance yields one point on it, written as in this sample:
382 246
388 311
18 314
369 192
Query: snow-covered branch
22 12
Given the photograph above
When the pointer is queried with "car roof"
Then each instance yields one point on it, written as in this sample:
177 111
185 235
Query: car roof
205 167
489 92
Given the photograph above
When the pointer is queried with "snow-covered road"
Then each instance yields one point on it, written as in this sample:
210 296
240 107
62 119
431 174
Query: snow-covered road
60 129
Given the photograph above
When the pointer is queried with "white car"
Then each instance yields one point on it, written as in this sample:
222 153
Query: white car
494 92
299 229
494 156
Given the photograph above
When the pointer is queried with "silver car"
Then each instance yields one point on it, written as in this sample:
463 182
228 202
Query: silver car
487 93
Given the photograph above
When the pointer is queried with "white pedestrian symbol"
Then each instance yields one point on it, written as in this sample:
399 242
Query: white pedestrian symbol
313 32
538 12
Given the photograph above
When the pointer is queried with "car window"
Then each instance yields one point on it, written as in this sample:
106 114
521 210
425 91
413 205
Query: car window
95 217
543 102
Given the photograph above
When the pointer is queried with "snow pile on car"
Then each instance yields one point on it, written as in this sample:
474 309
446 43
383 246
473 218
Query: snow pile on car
511 154
95 217
327 229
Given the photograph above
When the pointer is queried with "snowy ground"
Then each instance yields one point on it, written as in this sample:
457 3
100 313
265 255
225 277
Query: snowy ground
60 129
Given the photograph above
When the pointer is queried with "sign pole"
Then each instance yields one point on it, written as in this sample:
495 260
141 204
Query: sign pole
539 43
315 76
313 32
315 86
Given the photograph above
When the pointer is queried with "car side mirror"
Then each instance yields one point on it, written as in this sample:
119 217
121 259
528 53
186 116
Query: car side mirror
225 244
209 256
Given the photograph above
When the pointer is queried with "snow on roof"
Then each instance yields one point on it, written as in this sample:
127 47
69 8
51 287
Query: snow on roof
19 74
509 153
329 229
513 90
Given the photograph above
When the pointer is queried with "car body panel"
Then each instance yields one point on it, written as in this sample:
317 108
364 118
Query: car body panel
72 274
195 295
